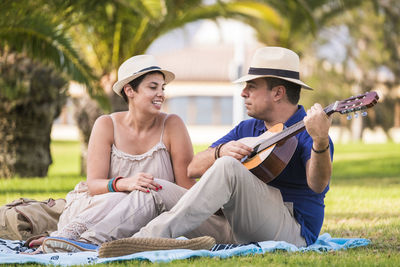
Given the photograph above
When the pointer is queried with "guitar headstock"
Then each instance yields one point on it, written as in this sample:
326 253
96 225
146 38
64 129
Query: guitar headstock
354 103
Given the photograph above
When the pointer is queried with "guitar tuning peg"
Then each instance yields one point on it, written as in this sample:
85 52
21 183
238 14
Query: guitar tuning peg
356 115
349 117
364 113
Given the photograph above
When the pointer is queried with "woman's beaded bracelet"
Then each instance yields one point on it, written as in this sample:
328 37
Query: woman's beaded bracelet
110 185
114 184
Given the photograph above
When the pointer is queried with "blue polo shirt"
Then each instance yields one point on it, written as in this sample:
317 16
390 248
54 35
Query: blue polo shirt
292 182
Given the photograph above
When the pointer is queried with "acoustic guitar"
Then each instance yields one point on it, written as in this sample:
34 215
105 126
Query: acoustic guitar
273 149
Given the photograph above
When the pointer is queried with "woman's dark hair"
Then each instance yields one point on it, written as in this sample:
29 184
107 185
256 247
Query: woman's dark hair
135 83
292 89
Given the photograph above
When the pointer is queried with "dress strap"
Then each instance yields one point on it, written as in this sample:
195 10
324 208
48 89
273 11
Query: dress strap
114 128
162 131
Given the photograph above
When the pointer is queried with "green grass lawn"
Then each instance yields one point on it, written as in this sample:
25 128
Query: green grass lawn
364 201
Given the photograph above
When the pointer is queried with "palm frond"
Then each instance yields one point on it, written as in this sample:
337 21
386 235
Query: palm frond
255 10
153 10
40 39
234 9
156 8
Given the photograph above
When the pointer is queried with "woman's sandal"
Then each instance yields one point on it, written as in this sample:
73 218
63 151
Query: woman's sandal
60 244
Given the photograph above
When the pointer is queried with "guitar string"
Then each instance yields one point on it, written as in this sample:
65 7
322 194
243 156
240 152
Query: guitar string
288 132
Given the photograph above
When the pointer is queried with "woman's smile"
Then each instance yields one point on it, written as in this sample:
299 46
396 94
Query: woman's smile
157 103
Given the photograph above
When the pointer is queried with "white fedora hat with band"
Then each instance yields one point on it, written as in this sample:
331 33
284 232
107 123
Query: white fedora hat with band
275 62
137 66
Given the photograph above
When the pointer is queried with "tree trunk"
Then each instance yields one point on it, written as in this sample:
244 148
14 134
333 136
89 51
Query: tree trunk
397 113
87 111
31 97
357 127
25 137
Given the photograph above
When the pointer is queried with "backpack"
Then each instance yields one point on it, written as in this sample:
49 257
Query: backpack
24 218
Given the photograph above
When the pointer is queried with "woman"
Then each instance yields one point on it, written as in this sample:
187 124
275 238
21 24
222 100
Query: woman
131 154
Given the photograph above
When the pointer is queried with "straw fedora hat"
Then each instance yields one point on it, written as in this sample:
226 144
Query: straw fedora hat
137 66
275 62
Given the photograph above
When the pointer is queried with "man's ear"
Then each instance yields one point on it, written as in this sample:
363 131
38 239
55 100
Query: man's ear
279 92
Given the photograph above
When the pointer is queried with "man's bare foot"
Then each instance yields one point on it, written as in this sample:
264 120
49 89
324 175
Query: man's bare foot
39 250
36 242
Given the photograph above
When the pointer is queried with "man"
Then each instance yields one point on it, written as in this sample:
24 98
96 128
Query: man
289 208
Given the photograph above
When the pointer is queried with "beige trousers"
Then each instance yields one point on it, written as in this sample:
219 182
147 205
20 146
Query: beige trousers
136 209
254 210
132 212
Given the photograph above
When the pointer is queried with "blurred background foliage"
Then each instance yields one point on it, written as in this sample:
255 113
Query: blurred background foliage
85 41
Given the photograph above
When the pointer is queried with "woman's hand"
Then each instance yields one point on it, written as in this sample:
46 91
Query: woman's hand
140 181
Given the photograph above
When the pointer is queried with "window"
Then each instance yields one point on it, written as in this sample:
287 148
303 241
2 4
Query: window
202 110
179 106
226 108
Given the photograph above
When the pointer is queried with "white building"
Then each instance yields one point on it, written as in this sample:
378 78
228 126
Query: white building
203 94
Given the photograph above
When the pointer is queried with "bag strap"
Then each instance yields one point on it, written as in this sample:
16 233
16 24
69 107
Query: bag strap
20 201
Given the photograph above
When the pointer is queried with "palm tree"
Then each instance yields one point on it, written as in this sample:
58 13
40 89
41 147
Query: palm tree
31 98
32 93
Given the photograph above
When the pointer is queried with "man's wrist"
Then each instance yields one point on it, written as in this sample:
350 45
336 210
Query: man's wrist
320 151
321 143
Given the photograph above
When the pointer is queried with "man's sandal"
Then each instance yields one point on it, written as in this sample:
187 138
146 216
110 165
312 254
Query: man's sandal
132 245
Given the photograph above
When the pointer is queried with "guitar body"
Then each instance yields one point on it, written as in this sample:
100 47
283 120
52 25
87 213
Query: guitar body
270 162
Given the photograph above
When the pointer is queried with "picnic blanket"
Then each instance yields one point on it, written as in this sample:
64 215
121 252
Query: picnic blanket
9 252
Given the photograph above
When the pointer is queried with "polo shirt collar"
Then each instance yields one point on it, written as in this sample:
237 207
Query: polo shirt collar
296 117
260 126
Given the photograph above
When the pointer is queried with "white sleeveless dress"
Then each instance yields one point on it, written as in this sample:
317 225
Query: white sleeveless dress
83 211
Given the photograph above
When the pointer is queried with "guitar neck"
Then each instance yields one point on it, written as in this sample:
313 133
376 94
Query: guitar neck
352 104
292 130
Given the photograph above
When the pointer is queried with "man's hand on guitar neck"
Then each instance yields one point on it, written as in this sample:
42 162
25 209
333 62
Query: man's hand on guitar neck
317 124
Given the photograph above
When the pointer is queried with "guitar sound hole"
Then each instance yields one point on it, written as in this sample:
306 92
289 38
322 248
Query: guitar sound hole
255 150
